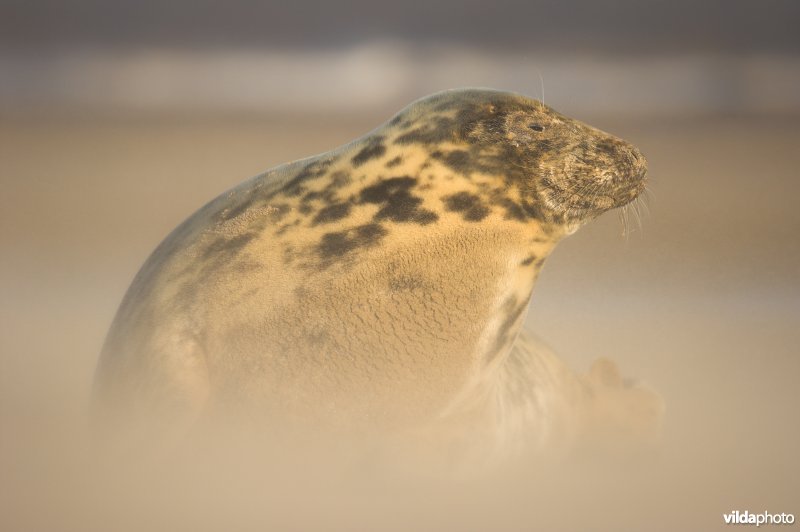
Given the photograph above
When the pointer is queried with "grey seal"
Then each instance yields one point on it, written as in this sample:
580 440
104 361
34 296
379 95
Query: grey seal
380 286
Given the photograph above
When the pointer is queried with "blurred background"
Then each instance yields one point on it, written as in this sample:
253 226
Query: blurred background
119 119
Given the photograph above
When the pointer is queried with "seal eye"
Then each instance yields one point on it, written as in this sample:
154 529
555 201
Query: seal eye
536 127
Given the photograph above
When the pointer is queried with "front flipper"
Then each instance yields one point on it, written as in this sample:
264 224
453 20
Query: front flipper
618 413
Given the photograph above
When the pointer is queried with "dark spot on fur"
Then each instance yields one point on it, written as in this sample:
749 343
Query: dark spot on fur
326 195
513 210
404 207
337 245
313 170
300 292
394 162
528 261
425 217
384 190
339 179
370 233
223 249
288 255
397 202
317 338
439 130
373 150
311 196
331 213
405 283
533 210
469 205
458 160
294 190
505 334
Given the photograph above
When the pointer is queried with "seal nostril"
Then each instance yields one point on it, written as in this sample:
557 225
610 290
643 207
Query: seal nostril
536 127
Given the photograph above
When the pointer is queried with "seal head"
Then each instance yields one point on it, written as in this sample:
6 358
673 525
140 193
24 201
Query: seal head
568 171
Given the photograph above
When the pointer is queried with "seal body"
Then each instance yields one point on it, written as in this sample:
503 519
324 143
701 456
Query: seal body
379 286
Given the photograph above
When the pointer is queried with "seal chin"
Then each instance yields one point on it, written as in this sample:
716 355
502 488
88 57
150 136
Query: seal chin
581 201
572 227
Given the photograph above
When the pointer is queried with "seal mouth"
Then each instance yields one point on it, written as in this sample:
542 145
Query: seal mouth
575 201
637 185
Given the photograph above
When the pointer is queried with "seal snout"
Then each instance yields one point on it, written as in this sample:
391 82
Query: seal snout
638 163
630 172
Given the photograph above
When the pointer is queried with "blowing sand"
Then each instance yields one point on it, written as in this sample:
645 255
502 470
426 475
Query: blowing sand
703 304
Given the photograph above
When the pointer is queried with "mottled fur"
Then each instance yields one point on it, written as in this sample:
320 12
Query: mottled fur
377 287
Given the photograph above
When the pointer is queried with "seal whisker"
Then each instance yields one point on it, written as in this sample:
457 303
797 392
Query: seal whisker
541 84
621 216
641 200
638 213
